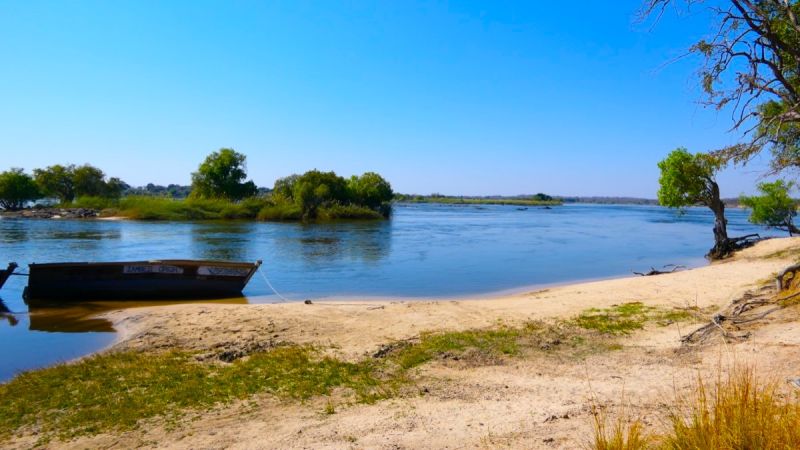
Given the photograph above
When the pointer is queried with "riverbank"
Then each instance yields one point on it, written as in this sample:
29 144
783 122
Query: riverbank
538 396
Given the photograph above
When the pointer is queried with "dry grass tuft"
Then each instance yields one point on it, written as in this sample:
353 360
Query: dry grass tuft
621 435
740 411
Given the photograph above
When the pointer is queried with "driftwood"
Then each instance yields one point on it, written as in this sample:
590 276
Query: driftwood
753 306
653 270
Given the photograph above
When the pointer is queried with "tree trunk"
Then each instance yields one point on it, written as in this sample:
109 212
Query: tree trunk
791 228
722 245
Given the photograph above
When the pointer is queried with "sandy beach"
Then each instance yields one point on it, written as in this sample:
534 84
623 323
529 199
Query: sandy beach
539 401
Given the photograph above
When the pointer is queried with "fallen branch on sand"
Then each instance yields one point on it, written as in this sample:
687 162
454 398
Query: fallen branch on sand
753 306
653 270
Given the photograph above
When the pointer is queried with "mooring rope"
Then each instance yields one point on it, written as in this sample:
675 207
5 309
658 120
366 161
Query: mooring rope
264 275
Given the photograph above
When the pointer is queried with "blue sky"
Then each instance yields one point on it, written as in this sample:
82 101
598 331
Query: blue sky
569 98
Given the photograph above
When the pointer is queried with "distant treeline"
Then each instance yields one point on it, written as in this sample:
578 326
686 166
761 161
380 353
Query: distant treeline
519 200
218 191
729 202
171 190
609 200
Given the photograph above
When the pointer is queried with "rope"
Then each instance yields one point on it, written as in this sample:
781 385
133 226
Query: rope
270 285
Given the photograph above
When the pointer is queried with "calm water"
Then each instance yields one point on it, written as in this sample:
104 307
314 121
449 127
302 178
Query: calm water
425 251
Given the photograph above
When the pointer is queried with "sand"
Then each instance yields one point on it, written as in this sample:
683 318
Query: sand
537 402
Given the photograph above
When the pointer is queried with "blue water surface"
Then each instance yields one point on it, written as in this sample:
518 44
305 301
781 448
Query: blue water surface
424 251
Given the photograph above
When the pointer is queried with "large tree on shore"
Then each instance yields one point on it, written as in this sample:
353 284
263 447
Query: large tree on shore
751 66
222 175
688 180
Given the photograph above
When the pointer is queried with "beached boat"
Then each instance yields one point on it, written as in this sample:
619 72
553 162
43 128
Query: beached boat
138 280
6 273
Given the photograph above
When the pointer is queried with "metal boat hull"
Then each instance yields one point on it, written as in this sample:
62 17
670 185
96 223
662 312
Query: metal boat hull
138 280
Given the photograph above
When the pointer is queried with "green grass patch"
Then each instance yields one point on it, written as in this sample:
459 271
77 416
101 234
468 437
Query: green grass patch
140 207
163 208
347 212
280 212
98 203
491 345
627 317
113 392
491 342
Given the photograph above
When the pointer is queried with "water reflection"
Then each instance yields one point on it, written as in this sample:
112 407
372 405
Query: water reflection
223 241
82 317
84 235
7 315
316 244
13 235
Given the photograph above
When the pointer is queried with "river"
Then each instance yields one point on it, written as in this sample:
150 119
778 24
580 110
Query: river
425 251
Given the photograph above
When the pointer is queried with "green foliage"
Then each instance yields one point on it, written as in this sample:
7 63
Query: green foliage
16 189
687 179
67 182
280 211
284 187
774 207
222 175
314 189
750 66
88 181
98 203
56 181
336 211
317 195
164 208
370 190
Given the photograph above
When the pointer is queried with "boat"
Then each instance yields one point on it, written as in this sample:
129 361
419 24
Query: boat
138 280
6 273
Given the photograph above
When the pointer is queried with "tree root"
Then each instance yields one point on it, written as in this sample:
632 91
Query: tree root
728 323
732 245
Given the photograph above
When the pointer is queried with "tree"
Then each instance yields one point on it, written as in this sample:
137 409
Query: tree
115 187
774 207
56 181
314 189
89 181
370 190
221 175
752 65
16 189
688 180
284 187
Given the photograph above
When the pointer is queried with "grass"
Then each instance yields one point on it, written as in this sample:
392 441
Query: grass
116 391
113 392
163 208
740 411
490 342
621 435
627 317
140 207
